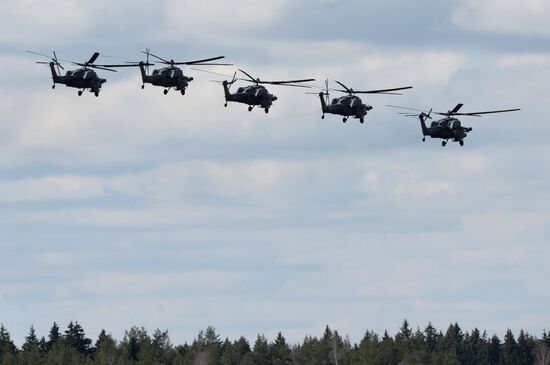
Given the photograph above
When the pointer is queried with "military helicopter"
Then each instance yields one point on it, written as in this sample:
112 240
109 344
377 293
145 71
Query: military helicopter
448 128
83 78
171 76
350 105
256 94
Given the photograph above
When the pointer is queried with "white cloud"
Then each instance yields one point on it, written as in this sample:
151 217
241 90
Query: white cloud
50 188
42 21
211 19
515 17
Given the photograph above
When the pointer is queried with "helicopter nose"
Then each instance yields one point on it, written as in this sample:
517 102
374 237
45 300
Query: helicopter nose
102 80
190 79
273 97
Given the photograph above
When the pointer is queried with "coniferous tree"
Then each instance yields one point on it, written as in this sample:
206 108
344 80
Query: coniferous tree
31 350
525 347
431 338
105 349
43 345
7 347
280 351
76 338
53 336
475 349
236 353
494 350
509 348
213 345
403 338
260 354
31 341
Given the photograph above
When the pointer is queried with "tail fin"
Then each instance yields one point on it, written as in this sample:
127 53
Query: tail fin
323 102
143 73
423 117
226 90
55 76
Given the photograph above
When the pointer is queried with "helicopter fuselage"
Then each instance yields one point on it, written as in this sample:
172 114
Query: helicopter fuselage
447 129
82 78
167 77
253 95
347 106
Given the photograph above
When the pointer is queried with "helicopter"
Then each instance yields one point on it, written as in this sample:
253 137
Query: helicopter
83 78
171 76
256 94
350 105
448 128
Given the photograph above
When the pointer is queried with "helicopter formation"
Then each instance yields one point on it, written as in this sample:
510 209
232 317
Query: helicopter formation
170 76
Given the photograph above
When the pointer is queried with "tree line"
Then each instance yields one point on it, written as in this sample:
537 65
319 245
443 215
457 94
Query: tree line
408 346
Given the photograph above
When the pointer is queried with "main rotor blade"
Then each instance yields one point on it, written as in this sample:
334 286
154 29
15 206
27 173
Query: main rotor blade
456 109
210 64
383 91
293 85
39 54
347 89
247 74
476 114
210 72
93 58
101 68
157 57
402 107
123 65
287 82
199 61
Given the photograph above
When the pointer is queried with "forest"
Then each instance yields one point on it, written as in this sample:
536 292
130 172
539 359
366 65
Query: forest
407 346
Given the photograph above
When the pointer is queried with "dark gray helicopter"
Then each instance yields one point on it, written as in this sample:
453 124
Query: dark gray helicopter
448 128
171 76
350 105
257 94
83 78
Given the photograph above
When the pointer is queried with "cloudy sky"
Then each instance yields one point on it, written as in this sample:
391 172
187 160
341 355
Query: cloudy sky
174 212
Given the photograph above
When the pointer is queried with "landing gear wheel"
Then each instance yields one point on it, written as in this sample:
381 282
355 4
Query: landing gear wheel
79 92
344 120
96 93
53 86
423 139
182 92
225 105
165 91
461 143
444 143
249 108
266 110
361 120
323 116
142 87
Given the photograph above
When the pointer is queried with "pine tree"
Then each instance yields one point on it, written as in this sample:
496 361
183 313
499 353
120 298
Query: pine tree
494 350
509 348
76 338
43 345
105 349
280 351
213 345
260 354
53 336
475 349
31 341
7 347
431 337
525 347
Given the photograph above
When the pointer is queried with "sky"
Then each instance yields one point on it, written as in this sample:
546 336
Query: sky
173 212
